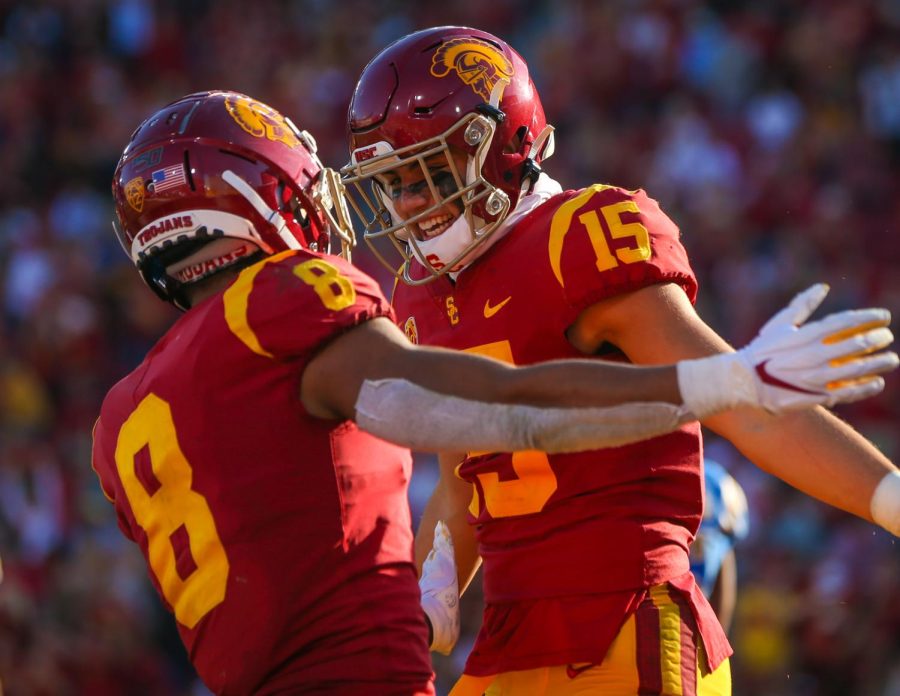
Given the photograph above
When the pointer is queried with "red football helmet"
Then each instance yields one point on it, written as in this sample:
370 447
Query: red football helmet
437 89
217 179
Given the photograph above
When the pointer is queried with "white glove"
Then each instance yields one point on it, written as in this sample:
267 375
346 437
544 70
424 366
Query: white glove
440 591
791 365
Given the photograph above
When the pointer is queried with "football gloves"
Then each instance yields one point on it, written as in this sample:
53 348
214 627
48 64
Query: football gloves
793 365
440 591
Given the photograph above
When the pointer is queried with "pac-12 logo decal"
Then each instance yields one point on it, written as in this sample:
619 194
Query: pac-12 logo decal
477 63
260 121
134 192
412 333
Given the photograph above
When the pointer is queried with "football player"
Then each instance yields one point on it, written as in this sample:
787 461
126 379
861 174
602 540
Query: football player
726 520
586 571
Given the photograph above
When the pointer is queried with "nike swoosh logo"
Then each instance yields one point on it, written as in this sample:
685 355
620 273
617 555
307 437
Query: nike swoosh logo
767 378
491 311
572 671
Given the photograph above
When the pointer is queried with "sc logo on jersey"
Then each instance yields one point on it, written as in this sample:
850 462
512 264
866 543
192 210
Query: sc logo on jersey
477 63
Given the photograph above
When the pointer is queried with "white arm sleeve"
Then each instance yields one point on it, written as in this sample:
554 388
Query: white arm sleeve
407 414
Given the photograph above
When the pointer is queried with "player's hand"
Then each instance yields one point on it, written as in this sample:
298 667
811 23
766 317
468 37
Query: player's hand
832 360
792 364
440 591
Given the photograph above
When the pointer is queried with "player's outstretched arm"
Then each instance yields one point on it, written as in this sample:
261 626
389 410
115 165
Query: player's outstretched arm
794 364
810 449
440 400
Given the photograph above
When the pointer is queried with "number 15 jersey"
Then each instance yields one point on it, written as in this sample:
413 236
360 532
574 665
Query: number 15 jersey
570 543
281 542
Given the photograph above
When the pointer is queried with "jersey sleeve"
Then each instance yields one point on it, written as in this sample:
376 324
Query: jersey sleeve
103 464
293 303
605 241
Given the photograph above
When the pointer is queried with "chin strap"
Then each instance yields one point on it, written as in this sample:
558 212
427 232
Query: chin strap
543 146
167 289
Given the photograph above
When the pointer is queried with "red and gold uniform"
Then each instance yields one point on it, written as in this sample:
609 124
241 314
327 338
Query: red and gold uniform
572 544
281 542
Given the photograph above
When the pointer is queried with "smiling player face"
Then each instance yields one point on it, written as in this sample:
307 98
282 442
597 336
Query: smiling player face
411 194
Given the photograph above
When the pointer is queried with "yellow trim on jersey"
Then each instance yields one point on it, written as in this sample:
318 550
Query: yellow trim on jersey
236 299
669 640
562 220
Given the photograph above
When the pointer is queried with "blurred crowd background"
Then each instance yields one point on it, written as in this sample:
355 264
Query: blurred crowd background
768 129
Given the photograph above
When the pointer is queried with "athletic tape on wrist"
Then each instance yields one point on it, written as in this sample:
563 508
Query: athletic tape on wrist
714 384
885 505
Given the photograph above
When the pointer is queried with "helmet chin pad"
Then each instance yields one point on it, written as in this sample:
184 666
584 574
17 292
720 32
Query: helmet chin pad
170 263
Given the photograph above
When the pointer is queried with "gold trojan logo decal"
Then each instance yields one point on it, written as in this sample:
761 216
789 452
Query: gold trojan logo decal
260 120
479 64
134 192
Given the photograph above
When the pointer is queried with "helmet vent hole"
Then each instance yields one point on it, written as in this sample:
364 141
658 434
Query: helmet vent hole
422 111
187 169
515 143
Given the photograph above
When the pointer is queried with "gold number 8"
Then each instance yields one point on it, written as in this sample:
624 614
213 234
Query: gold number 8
335 291
171 506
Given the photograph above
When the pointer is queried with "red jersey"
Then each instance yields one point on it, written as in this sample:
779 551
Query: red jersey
570 542
281 542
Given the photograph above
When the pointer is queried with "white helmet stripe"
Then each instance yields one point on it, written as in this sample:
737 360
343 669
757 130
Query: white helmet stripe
273 217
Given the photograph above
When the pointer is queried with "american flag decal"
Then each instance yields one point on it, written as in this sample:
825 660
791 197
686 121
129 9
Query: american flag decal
168 177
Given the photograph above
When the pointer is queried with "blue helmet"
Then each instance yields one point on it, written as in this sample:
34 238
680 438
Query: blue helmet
725 521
